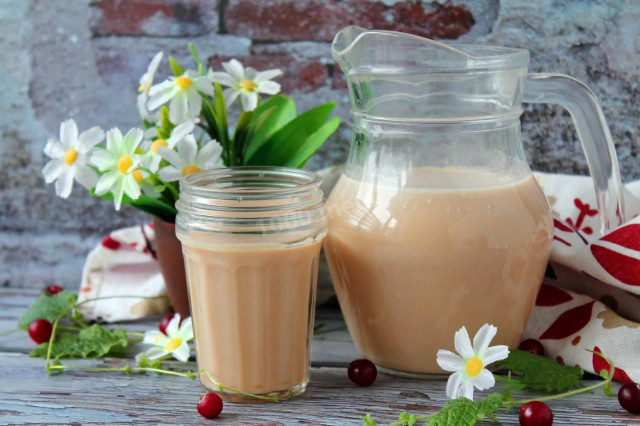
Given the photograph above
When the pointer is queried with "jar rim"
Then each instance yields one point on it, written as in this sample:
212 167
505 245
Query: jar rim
222 182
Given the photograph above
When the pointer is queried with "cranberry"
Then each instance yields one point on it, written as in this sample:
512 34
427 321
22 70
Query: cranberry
533 346
40 330
210 405
629 397
53 289
165 323
362 372
535 413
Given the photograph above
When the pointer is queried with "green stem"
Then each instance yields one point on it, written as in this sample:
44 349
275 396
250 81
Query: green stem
69 327
53 335
121 369
560 395
251 395
5 333
329 330
136 333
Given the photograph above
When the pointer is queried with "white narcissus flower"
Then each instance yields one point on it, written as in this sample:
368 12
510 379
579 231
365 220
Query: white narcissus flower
151 158
246 83
175 342
184 94
118 162
469 367
69 158
188 158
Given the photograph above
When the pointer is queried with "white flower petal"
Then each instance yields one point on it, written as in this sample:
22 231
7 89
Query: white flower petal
161 97
194 104
221 77
268 75
131 187
52 170
106 182
155 337
463 343
155 353
90 138
118 193
269 87
54 149
169 174
204 86
186 329
103 160
180 131
209 155
453 385
449 361
249 101
86 176
161 88
482 338
495 353
173 326
188 149
466 390
234 68
178 108
69 133
114 139
132 140
182 352
484 380
230 95
171 156
64 184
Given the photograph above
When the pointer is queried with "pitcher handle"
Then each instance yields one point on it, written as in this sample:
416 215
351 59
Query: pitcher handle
594 135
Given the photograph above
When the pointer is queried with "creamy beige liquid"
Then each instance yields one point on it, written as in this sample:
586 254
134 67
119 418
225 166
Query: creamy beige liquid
411 266
252 309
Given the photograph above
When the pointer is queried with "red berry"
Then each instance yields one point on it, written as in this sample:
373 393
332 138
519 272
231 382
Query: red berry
535 413
210 405
165 323
629 397
362 372
40 330
533 346
53 289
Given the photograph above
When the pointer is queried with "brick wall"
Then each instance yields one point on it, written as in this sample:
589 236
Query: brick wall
83 58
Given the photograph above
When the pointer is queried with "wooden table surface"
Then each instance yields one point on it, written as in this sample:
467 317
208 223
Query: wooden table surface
29 396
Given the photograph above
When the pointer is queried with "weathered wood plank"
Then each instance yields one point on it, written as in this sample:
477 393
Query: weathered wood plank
28 396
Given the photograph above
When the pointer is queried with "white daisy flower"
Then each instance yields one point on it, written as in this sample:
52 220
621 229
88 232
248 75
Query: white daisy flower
469 367
117 162
188 158
245 83
69 158
175 342
146 81
184 94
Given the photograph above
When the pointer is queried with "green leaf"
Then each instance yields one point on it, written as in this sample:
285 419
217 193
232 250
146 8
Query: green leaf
464 412
92 342
176 68
407 419
48 307
196 57
220 117
154 206
368 421
295 142
268 117
540 373
243 133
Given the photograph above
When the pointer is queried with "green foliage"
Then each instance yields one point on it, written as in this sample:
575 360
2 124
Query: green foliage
91 342
539 373
145 362
176 68
296 141
159 207
463 412
268 117
48 307
407 419
368 421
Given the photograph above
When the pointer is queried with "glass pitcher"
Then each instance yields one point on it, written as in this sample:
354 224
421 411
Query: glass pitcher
437 221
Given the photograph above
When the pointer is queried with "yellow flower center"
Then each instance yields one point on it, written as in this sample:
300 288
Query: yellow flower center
473 366
124 163
248 85
183 82
142 88
157 144
173 344
70 156
190 169
137 175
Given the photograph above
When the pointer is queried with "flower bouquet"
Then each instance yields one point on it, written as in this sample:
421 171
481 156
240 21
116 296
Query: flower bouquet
185 129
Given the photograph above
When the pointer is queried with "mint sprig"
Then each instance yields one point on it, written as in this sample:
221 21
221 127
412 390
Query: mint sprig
464 412
540 373
92 342
48 307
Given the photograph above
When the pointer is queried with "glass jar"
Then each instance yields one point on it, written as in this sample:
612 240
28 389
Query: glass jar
251 239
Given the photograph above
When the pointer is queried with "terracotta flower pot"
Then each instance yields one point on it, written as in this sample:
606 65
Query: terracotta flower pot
169 255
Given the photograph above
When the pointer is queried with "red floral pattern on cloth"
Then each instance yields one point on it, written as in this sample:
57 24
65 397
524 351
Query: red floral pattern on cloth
590 300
